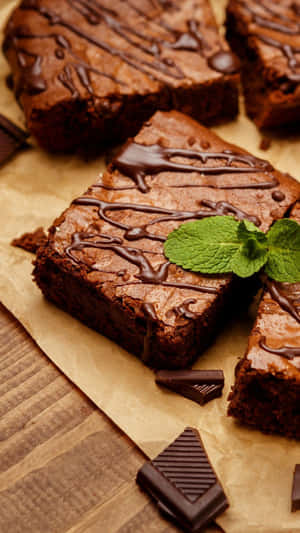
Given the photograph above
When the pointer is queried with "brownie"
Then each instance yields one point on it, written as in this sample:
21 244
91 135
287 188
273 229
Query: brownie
266 35
104 261
266 393
88 73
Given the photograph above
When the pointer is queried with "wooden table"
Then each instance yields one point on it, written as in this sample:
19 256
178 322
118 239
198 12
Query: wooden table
64 466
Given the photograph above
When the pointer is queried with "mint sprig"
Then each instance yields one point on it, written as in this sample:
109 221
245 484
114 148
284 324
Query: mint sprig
221 244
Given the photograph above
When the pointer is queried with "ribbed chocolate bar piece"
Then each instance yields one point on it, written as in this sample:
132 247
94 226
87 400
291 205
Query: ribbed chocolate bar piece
296 490
11 139
183 482
201 386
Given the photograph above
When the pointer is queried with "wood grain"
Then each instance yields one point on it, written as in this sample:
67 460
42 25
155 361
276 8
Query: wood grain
64 467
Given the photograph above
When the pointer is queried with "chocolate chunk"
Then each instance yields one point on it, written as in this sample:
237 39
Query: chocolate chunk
278 196
296 490
183 483
31 241
201 386
11 139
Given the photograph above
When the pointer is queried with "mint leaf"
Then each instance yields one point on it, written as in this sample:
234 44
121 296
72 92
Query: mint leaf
220 244
284 251
253 252
249 259
206 245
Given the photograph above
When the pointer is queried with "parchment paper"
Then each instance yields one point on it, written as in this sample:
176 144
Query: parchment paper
256 470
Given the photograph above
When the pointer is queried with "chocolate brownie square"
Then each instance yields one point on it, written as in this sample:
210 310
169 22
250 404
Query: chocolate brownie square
88 73
266 35
104 260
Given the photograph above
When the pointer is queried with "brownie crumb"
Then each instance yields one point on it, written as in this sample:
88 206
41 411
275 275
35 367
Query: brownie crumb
31 241
265 144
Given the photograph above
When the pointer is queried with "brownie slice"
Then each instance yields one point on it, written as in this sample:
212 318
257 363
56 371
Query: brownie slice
266 393
266 35
89 72
104 260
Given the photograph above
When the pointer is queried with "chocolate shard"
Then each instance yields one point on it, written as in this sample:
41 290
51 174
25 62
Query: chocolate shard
184 484
201 386
11 139
296 490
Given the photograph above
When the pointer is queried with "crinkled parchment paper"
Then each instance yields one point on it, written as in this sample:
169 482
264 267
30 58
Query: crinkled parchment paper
256 470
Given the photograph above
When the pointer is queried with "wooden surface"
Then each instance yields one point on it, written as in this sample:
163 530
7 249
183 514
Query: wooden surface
64 466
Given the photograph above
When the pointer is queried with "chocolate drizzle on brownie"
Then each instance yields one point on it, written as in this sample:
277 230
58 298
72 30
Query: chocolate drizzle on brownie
147 273
183 310
286 297
138 161
280 23
225 208
288 352
134 233
150 60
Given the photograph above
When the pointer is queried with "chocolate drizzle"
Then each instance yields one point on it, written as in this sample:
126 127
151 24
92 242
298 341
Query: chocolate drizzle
225 208
288 352
138 161
182 310
284 299
31 80
147 273
134 233
277 22
151 58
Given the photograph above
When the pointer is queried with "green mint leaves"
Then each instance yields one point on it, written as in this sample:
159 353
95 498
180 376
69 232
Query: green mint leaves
217 245
284 251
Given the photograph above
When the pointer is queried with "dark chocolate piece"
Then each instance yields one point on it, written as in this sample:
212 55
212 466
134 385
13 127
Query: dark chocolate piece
201 386
296 490
184 484
31 241
12 138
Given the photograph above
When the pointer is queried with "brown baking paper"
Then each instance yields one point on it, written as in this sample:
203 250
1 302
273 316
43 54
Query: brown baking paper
255 470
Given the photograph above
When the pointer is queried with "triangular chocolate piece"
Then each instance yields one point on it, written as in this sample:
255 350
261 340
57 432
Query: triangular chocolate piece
11 138
201 386
183 482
